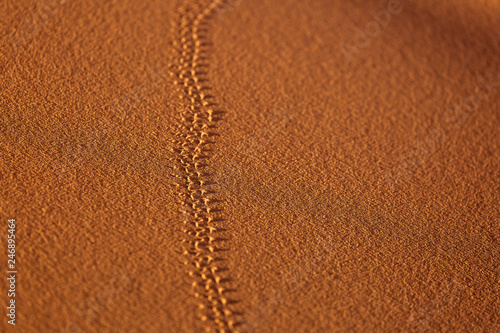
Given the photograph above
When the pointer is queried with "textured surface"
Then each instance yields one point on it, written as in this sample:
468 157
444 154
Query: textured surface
347 180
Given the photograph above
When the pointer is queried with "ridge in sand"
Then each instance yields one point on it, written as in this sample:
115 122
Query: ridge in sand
197 120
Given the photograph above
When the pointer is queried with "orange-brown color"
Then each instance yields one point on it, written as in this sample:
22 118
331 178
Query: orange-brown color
349 168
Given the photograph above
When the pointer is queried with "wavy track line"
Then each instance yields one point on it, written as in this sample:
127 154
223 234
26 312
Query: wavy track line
197 120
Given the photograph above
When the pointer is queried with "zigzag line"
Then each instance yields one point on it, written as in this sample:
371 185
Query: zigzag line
196 124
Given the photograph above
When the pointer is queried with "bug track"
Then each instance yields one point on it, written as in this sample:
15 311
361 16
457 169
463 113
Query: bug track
194 133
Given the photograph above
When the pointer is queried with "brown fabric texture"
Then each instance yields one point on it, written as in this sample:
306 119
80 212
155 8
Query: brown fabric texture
251 166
